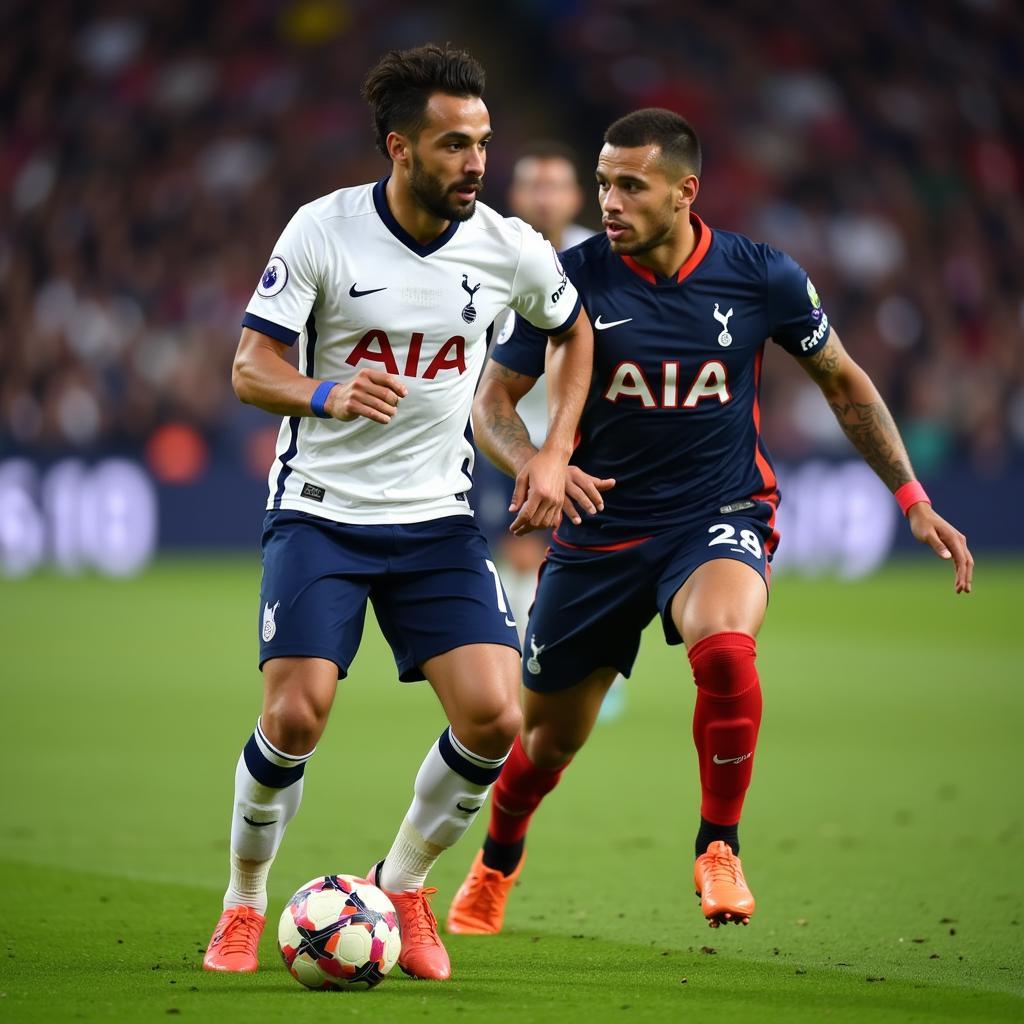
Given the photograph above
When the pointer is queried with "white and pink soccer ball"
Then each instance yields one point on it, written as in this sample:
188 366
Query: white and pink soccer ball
340 932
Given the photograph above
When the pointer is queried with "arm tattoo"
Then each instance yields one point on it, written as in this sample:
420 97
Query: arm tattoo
870 427
824 363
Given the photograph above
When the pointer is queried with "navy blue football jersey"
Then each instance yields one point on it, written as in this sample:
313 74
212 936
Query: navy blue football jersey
673 412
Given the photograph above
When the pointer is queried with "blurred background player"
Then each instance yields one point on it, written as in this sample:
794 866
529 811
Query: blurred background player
681 314
387 290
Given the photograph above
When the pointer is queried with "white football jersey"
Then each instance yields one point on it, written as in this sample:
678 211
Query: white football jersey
353 289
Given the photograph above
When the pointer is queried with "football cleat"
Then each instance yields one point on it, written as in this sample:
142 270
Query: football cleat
723 891
423 954
235 941
479 905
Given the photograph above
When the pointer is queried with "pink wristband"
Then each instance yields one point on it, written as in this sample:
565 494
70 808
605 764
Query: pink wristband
910 494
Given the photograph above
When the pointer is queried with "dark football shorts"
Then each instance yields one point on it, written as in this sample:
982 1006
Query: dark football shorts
592 605
433 587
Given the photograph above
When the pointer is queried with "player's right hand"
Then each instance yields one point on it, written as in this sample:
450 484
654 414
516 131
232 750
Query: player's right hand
370 393
583 493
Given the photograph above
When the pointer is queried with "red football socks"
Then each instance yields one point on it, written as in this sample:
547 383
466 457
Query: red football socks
725 721
517 794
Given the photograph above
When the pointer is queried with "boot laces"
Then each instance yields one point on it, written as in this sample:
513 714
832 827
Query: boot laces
420 921
724 868
241 933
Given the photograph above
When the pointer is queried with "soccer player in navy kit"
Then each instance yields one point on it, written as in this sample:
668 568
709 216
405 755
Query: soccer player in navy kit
671 460
388 290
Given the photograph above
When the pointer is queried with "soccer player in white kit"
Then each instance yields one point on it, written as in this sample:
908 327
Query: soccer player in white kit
389 291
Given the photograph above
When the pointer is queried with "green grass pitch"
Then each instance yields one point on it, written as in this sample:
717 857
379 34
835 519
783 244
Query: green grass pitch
883 834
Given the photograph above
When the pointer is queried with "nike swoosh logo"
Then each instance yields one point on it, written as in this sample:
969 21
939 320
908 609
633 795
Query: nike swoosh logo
730 760
258 824
356 293
614 323
467 810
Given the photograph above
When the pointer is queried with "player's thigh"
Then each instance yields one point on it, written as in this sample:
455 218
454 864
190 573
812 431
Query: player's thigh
715 577
557 724
478 687
442 592
315 587
297 698
722 595
588 614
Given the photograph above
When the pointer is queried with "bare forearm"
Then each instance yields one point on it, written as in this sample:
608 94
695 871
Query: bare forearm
262 377
863 415
568 367
498 429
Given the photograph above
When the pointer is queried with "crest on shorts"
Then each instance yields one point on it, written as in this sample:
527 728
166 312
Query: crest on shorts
269 624
532 664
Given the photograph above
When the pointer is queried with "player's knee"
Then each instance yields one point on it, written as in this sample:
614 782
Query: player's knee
295 726
490 732
724 662
550 748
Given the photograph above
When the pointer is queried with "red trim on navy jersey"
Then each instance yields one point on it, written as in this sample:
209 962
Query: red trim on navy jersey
769 492
690 264
621 546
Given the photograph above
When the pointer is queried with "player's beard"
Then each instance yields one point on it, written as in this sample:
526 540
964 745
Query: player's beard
432 194
661 232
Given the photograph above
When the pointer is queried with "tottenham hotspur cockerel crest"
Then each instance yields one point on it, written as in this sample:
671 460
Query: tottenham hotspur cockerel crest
469 310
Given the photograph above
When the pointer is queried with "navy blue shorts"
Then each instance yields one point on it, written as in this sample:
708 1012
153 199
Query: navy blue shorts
592 605
433 587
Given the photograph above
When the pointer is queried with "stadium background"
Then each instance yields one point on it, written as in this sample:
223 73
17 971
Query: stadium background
149 154
152 152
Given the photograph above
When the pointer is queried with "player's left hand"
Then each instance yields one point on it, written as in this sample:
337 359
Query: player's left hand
945 540
583 493
539 493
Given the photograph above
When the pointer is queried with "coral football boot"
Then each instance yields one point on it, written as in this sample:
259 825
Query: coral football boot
423 954
723 891
235 941
479 905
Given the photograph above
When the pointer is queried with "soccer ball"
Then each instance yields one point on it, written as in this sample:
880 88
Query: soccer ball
339 931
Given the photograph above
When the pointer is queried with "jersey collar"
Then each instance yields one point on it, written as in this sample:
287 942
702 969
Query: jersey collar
380 201
700 250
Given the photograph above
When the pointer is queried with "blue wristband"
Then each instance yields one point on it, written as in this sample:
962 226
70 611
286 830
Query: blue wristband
316 403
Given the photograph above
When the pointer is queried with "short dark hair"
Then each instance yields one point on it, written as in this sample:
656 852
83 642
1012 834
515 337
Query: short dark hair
402 81
655 126
548 149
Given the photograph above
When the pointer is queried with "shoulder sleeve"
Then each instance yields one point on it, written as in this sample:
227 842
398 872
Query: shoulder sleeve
521 347
796 320
541 291
284 297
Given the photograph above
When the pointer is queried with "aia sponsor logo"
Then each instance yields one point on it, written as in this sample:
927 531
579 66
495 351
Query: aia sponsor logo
375 347
628 381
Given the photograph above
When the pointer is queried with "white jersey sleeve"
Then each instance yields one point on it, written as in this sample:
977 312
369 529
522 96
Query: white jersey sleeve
288 289
541 291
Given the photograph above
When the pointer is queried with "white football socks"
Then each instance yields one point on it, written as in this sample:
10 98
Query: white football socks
268 790
451 787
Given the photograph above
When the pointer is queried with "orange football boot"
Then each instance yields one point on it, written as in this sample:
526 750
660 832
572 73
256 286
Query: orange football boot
723 891
235 941
479 905
423 954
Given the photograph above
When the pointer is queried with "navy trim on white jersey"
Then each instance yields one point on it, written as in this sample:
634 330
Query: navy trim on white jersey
569 320
294 421
268 327
380 201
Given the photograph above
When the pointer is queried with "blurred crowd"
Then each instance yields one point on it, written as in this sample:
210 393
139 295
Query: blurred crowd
150 153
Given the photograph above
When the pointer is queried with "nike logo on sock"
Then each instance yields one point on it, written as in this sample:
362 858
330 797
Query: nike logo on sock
258 824
731 760
468 810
